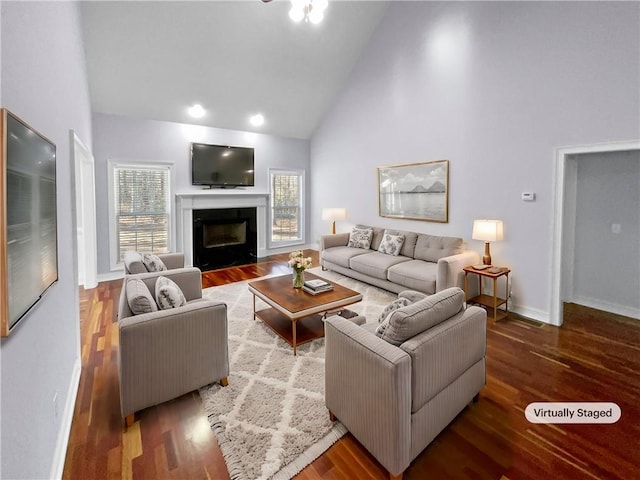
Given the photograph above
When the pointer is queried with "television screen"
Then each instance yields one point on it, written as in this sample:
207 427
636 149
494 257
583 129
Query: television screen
221 166
29 234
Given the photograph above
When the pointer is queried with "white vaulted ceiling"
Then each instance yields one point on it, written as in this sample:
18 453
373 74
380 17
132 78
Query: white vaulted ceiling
153 59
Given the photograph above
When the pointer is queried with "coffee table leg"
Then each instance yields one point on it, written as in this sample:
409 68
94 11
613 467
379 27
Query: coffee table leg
293 323
254 306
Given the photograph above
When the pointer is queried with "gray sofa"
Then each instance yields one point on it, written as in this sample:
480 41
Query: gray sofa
396 397
166 353
426 263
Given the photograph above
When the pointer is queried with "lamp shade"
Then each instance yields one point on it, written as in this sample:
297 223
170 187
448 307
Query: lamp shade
333 214
487 230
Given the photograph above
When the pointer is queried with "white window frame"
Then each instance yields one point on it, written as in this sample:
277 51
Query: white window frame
301 228
113 230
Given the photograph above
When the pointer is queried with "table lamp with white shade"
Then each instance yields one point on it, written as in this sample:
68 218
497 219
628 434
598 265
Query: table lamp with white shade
488 231
333 214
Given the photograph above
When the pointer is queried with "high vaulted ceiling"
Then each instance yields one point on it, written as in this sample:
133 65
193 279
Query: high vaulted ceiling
153 59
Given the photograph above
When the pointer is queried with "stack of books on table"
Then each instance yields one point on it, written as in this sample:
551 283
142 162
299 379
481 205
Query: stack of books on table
316 286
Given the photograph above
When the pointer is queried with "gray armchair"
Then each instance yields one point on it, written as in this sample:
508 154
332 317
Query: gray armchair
395 398
166 353
133 261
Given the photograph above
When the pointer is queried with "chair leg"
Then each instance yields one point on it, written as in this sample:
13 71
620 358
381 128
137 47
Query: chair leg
332 417
128 420
224 381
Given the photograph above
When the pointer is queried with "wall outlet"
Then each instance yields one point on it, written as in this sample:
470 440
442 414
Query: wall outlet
55 407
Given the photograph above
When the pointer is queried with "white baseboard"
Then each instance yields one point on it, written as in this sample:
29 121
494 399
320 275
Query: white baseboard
532 313
60 453
607 306
115 275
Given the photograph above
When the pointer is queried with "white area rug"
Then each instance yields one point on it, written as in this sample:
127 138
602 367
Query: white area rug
271 421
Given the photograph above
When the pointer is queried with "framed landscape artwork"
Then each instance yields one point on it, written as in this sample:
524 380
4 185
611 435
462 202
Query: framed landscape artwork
416 191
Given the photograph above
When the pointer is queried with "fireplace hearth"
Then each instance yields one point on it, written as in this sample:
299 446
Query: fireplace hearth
224 237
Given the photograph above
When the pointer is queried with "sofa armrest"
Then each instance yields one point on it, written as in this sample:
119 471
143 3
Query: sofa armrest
335 240
368 388
168 353
172 260
450 272
189 279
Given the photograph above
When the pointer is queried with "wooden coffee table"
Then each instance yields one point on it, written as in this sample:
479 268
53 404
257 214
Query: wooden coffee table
295 315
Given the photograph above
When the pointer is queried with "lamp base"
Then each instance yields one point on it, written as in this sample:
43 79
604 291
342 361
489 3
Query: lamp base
486 258
333 227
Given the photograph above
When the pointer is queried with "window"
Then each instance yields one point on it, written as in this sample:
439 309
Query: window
287 201
140 208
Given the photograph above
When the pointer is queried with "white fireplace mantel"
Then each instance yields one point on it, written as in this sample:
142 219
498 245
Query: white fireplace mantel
187 202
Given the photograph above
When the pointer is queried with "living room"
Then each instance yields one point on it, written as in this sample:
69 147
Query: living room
514 84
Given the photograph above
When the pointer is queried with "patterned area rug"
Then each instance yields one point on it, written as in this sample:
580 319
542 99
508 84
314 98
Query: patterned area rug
271 421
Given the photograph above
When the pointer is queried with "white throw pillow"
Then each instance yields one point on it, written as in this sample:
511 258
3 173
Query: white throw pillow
168 294
153 263
360 238
391 244
383 319
139 297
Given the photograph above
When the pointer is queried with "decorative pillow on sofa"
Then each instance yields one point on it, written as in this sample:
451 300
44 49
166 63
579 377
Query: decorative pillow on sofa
168 294
383 319
153 263
391 244
360 238
417 317
139 297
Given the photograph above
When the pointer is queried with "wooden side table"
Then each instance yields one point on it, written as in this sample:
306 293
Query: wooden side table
491 302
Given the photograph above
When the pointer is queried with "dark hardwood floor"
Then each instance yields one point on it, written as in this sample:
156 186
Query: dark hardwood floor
594 356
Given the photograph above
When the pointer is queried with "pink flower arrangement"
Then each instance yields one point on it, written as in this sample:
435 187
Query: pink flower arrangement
298 261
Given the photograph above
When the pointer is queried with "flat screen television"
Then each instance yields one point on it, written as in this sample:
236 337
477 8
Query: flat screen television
222 166
28 232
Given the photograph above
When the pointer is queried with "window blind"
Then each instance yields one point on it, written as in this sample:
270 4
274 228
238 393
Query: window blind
142 209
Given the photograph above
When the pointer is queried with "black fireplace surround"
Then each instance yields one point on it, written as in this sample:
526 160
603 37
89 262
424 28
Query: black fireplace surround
224 237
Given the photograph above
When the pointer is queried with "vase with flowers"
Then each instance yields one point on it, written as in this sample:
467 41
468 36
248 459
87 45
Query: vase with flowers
299 263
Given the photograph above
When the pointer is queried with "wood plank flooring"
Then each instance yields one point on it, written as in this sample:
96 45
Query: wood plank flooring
594 356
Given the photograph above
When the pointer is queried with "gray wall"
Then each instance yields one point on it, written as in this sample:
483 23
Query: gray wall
44 83
125 138
607 265
494 88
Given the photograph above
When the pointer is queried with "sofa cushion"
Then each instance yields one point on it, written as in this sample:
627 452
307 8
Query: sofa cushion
153 263
341 255
139 297
417 317
383 319
360 238
391 244
432 248
168 294
415 275
410 239
375 264
377 235
133 262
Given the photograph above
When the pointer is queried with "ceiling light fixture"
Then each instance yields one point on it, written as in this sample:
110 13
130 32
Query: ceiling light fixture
257 120
196 111
309 10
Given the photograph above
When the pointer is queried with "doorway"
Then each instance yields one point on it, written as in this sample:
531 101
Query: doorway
564 226
85 214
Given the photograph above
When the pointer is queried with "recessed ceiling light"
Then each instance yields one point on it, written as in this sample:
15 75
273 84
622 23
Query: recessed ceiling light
196 111
257 120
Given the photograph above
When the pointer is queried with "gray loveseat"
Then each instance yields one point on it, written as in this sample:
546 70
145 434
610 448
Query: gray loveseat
396 391
426 263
